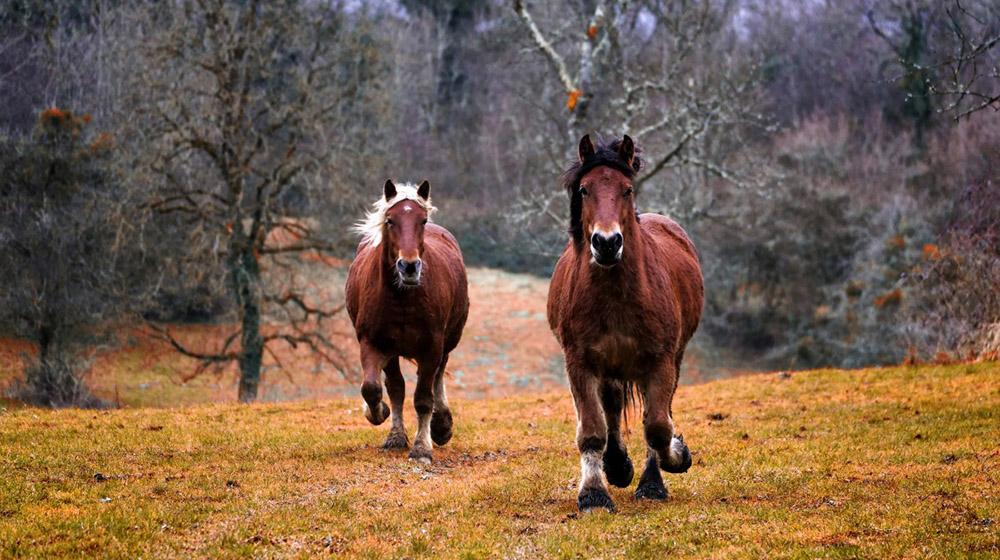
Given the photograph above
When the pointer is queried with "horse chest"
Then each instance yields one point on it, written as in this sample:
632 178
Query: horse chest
406 328
619 339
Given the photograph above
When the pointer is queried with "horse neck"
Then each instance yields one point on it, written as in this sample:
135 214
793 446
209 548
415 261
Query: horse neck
386 264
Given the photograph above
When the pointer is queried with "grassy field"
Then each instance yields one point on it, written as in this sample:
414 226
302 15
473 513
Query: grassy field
878 463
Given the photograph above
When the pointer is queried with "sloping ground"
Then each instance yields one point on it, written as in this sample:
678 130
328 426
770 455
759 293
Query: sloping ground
506 349
879 463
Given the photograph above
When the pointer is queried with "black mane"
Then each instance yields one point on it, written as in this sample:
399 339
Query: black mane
605 155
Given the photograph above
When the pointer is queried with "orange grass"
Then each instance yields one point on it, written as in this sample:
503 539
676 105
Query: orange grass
878 463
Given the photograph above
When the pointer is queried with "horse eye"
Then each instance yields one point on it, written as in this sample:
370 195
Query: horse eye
583 191
629 192
423 223
388 222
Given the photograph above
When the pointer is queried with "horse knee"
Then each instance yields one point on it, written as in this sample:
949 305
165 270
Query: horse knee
591 444
441 426
371 391
659 435
423 404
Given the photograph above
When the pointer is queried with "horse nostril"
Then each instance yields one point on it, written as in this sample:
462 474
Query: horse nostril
408 268
612 242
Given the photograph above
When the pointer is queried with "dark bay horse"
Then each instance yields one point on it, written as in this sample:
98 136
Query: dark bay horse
407 295
625 299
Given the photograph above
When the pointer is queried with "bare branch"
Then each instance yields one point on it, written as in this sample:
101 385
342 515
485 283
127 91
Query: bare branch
546 47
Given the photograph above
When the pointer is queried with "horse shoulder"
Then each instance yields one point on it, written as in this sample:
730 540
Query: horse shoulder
665 230
558 289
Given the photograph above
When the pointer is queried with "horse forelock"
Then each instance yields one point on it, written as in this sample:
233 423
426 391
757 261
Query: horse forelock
605 155
370 228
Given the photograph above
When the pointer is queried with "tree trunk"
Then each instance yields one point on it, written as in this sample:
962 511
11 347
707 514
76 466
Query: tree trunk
246 283
917 104
452 80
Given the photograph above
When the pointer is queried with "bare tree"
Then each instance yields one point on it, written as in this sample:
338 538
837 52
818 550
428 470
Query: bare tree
258 110
906 27
670 75
649 64
971 70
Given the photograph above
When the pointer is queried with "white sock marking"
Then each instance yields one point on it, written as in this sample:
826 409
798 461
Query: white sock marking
591 470
676 453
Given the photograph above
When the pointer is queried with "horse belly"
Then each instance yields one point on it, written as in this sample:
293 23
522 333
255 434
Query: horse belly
618 355
408 341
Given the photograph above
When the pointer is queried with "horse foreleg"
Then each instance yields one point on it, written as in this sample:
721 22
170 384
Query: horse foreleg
396 387
617 466
591 439
664 449
372 362
441 418
423 403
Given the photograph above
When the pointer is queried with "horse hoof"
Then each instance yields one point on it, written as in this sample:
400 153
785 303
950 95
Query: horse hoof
441 427
396 441
421 455
619 474
651 491
381 416
591 498
678 457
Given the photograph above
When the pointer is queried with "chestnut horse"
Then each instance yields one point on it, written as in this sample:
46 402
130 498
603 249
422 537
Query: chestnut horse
624 301
407 296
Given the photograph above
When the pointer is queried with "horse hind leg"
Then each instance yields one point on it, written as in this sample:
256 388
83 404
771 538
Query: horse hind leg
395 385
441 417
617 466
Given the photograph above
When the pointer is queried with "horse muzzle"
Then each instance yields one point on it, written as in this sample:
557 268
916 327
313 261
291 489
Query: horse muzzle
607 249
409 271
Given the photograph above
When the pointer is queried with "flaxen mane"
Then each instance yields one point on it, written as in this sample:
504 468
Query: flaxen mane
370 229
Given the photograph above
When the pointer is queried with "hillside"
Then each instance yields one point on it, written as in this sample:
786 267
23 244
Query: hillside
506 349
877 463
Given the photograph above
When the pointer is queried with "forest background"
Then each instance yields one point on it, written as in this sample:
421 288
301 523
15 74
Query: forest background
178 163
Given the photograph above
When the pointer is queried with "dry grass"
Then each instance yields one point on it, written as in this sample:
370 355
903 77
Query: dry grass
899 462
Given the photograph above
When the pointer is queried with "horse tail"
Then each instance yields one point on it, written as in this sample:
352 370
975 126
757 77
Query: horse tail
633 398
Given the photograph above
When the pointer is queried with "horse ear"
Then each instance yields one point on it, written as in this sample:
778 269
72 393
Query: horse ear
389 189
626 150
586 148
424 190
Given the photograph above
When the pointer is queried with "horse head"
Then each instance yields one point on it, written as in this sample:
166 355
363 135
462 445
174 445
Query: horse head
405 218
603 198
